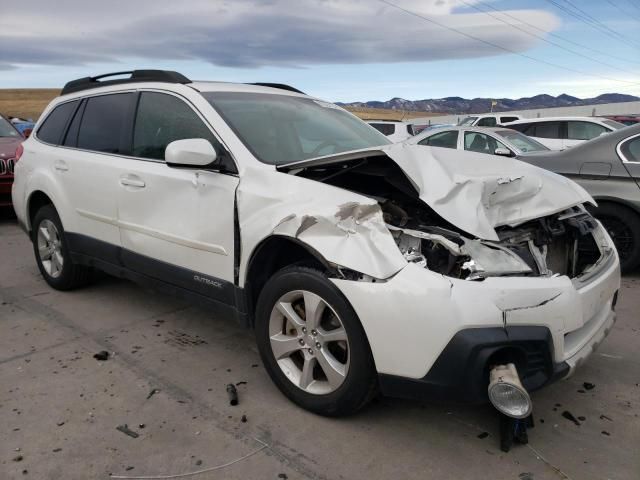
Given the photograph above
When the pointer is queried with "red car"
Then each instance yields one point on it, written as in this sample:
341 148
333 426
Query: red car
10 140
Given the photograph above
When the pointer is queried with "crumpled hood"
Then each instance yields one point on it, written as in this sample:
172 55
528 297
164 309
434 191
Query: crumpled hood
473 191
478 192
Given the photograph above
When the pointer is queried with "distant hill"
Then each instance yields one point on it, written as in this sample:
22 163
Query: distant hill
457 105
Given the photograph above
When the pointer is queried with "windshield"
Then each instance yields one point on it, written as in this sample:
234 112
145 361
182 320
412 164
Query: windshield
613 124
467 121
280 129
7 130
521 142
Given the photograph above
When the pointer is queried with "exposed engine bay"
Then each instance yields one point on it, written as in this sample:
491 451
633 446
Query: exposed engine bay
558 244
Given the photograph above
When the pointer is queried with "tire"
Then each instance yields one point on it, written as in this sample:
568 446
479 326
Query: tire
352 379
61 275
623 225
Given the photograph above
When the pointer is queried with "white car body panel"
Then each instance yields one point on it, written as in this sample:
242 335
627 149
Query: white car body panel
177 217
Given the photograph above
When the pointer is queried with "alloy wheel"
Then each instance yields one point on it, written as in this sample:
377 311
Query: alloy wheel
309 342
50 248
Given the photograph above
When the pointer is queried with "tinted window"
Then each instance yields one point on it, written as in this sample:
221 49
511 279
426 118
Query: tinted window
447 139
508 119
384 128
7 130
584 130
53 127
71 138
104 123
545 130
631 150
162 119
481 143
487 122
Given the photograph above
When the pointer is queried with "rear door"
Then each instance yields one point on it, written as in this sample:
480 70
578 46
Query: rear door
88 165
549 134
581 131
176 223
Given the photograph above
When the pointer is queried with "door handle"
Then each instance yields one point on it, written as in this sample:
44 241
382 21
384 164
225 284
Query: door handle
61 166
129 181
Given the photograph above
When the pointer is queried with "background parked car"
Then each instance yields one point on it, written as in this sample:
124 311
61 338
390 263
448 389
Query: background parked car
608 167
397 131
488 119
10 139
625 119
559 133
492 141
23 126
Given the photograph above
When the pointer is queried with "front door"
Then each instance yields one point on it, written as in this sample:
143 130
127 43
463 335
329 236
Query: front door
176 224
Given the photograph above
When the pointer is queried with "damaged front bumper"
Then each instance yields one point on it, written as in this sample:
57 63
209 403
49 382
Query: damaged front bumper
435 336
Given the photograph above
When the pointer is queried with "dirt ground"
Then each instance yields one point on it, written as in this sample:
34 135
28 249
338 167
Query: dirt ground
26 102
166 375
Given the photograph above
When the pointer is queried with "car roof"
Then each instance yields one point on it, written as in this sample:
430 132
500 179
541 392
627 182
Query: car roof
462 127
552 119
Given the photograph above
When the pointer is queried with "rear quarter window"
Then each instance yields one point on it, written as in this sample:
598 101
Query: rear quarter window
54 125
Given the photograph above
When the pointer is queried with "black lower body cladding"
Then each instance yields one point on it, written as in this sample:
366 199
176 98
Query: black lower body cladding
461 372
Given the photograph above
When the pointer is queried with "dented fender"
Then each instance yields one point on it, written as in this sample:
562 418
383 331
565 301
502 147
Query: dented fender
346 228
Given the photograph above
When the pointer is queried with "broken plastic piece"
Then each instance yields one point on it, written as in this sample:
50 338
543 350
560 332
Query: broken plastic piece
127 431
233 394
102 356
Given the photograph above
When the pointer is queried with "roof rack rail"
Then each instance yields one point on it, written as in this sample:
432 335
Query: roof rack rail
280 86
88 83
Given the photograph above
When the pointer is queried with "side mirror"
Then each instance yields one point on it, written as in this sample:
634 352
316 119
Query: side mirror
190 152
503 152
26 133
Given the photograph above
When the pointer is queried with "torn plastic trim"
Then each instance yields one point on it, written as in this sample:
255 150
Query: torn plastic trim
485 259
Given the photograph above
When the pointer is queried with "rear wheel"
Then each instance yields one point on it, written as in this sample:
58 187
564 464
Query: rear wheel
623 225
52 254
312 343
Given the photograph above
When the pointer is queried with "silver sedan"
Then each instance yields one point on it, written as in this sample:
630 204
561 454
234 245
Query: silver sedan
489 140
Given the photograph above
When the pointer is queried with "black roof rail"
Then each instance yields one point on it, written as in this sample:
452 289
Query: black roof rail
280 86
88 83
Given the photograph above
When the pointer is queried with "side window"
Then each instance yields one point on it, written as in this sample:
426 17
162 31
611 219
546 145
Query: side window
545 130
162 119
508 119
104 123
481 143
52 129
525 128
384 128
584 130
631 150
71 138
487 122
447 139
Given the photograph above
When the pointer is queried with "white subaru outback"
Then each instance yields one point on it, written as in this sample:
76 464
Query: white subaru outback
363 266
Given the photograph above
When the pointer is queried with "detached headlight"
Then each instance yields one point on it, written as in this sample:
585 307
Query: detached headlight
491 260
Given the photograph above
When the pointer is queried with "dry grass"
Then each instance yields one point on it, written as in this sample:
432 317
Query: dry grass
387 114
30 102
26 102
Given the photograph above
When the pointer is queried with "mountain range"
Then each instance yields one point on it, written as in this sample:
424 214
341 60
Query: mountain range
457 105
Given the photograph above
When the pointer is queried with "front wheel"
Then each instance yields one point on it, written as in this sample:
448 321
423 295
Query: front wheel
312 343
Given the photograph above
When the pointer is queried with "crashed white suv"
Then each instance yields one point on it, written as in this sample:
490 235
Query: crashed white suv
362 265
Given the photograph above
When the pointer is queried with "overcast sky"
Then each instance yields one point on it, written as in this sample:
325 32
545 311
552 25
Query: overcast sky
342 50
